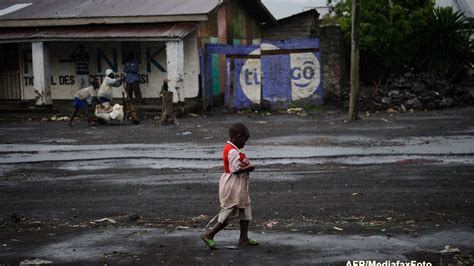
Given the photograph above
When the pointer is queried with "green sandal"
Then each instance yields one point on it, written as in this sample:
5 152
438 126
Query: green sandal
211 244
251 242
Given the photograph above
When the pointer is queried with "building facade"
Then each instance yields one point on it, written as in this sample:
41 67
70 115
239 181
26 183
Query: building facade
37 39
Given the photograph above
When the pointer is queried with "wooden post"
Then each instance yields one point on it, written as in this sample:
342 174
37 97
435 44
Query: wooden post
203 78
232 83
167 114
354 59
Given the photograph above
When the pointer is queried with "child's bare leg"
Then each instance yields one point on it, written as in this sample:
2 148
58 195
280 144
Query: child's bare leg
73 115
90 118
214 230
244 229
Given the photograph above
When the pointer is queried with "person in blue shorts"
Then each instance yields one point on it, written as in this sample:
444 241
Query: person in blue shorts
80 101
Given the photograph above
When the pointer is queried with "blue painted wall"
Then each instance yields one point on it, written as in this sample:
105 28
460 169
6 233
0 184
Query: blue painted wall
277 80
284 77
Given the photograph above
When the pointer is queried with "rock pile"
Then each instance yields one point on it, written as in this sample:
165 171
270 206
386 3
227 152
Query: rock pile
414 92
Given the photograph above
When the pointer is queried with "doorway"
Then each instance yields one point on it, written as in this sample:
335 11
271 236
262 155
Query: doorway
9 72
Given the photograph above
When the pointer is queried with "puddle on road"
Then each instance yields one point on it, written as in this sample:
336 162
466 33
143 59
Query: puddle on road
141 164
189 164
419 150
93 245
469 130
216 163
15 153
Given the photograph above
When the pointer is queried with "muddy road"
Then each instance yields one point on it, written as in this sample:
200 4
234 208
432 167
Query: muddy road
391 186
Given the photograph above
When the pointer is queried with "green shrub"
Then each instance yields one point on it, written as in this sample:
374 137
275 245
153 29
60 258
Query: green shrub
449 51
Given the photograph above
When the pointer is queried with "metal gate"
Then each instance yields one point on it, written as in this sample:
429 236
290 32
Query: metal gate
9 72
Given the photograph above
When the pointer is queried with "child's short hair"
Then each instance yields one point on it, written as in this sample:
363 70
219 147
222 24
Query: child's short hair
236 129
95 83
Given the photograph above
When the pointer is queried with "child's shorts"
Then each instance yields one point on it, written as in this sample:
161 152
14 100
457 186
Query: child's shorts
78 103
104 99
234 212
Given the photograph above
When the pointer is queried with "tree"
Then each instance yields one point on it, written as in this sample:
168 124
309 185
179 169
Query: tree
396 34
391 30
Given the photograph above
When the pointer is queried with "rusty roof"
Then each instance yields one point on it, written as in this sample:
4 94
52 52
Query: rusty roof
97 32
64 9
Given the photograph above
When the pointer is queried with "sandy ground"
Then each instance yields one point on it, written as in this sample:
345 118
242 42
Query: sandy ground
391 186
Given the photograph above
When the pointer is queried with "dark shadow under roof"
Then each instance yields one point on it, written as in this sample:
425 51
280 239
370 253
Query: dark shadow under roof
162 31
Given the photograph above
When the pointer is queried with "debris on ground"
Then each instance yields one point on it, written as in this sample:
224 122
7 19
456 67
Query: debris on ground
134 217
449 249
200 218
14 218
231 247
270 224
338 228
186 133
35 262
294 110
103 220
411 92
297 110
464 259
180 227
63 118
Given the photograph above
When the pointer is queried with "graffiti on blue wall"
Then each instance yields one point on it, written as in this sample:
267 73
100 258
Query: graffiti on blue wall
279 72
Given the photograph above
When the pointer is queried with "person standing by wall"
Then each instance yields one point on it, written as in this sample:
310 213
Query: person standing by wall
132 79
81 59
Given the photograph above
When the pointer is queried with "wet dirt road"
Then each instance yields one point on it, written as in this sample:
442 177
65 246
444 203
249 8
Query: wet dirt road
388 187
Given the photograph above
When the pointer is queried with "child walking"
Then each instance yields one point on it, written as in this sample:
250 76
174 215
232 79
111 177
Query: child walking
234 188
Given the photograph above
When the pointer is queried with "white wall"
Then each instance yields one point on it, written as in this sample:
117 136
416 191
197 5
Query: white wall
63 73
191 66
40 66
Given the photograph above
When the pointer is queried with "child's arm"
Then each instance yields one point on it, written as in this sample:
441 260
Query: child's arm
238 163
248 168
96 100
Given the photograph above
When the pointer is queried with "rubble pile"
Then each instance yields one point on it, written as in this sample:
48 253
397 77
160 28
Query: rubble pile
414 92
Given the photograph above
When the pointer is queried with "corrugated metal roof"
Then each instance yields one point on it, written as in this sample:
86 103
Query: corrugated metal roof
54 9
148 31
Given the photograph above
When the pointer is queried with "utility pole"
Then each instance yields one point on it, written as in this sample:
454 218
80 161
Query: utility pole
354 59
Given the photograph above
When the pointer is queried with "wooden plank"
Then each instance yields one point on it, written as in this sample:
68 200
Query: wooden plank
243 56
232 84
289 51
